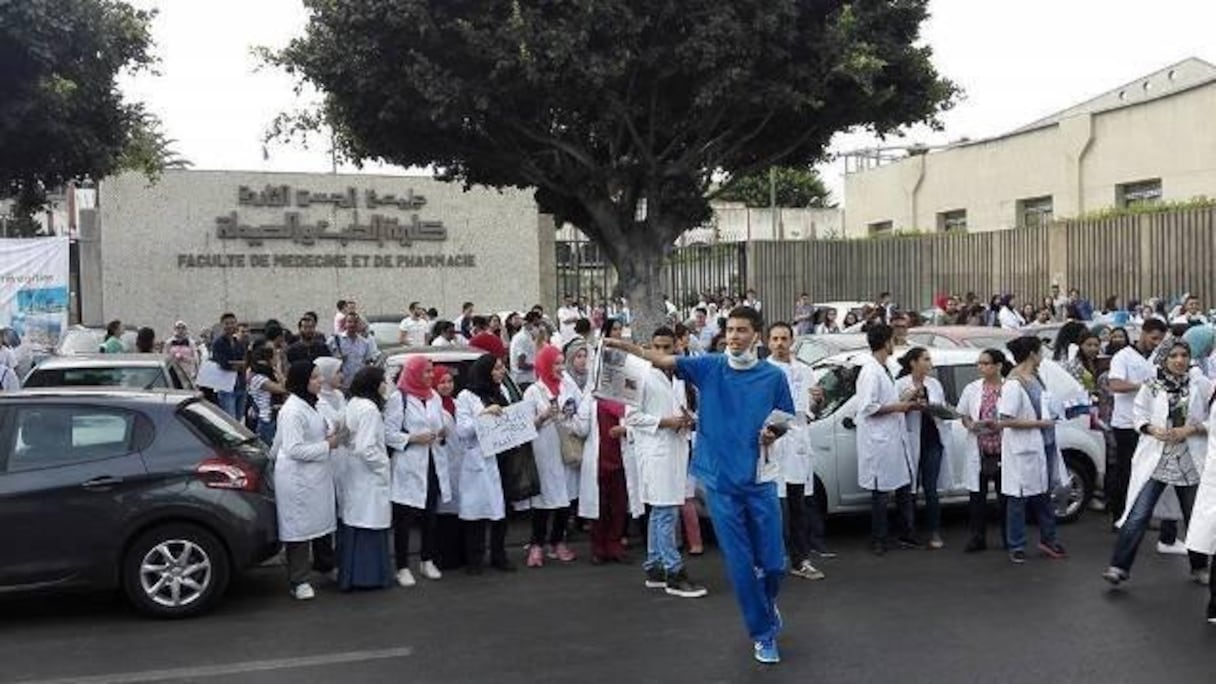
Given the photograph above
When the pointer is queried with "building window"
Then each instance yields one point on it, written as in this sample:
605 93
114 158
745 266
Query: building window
1138 194
952 221
1034 212
882 228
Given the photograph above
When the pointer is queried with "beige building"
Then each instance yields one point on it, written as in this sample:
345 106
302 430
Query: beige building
1148 141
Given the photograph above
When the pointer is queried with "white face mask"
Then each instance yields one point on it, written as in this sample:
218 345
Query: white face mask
743 360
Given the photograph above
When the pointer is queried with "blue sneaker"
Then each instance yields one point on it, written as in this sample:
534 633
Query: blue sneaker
766 651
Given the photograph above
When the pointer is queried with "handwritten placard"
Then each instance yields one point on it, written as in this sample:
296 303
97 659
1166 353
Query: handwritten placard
514 427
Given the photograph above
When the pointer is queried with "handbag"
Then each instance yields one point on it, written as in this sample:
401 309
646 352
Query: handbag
571 446
520 478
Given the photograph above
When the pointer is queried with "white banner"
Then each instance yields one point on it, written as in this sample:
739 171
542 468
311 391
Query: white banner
514 427
34 296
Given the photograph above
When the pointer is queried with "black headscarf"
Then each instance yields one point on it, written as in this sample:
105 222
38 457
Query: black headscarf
297 381
481 381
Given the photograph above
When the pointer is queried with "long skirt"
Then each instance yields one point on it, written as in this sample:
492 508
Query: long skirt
364 560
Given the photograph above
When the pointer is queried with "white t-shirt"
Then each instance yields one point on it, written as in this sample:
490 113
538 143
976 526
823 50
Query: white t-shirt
415 330
522 345
1129 365
566 326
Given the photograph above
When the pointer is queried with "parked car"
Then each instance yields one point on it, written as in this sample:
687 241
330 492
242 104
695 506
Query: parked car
139 371
811 349
960 336
386 329
159 494
833 436
81 339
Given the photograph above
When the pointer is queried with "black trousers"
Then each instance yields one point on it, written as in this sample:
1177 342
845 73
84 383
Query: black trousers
404 518
475 541
540 523
298 557
905 510
977 506
797 528
1119 471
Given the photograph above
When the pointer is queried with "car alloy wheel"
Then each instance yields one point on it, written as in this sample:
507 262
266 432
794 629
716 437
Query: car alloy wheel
175 573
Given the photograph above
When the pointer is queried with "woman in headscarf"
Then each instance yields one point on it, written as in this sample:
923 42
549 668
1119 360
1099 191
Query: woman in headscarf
331 404
481 493
1170 411
366 512
553 503
181 348
304 480
420 469
448 526
1008 317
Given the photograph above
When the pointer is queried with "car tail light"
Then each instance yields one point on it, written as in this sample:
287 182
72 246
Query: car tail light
226 472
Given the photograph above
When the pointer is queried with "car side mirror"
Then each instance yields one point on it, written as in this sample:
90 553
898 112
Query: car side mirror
849 423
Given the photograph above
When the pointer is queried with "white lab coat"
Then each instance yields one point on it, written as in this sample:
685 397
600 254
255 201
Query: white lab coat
793 451
1152 408
554 478
410 464
331 404
662 454
303 474
969 403
946 480
1201 533
367 475
883 456
1023 463
569 390
1010 319
453 454
480 482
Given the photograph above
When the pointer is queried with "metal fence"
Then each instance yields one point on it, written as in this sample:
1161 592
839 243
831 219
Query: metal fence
687 271
1131 257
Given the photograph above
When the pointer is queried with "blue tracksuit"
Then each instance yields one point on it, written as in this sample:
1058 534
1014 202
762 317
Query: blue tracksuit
732 408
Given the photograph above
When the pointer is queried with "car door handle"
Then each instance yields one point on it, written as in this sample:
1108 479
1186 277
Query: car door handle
104 482
848 423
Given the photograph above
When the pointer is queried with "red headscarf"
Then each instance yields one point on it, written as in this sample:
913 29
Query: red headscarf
547 369
442 373
490 344
412 381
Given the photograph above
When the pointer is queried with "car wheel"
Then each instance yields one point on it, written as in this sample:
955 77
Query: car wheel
175 571
1080 487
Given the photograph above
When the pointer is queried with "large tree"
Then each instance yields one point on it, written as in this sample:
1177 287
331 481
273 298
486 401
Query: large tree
62 115
620 113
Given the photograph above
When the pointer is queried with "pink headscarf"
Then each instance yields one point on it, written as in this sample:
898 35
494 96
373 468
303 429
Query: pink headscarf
414 377
449 404
547 369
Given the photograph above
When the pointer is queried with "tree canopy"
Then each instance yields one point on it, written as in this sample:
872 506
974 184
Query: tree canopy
61 113
795 187
620 113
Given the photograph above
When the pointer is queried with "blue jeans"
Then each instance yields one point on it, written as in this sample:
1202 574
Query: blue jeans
930 470
748 526
266 430
661 551
1015 520
233 403
1137 521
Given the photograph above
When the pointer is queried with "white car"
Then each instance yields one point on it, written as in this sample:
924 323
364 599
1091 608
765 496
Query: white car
833 436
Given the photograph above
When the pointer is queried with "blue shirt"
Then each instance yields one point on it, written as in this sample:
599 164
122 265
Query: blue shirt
731 410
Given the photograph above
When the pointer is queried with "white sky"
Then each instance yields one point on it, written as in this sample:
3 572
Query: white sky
1017 61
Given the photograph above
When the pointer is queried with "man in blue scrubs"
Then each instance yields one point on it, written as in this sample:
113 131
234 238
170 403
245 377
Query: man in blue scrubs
737 394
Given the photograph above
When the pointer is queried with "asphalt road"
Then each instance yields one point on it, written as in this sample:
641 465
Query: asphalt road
912 616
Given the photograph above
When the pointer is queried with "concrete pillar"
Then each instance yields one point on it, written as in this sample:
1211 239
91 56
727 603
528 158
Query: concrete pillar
88 244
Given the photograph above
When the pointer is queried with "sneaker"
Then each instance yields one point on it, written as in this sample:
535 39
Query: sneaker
1212 613
935 542
1115 576
1017 557
765 651
1053 550
975 545
536 556
405 578
1175 549
303 592
429 570
679 585
656 578
807 571
1201 576
562 553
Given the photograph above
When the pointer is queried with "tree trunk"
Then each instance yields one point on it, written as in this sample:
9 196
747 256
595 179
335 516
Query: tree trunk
639 269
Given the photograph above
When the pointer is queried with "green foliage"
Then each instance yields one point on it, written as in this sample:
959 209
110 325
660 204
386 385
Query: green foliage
796 187
61 113
1197 202
600 104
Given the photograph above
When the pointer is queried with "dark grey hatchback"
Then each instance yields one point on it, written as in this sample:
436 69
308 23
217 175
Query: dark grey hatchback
158 493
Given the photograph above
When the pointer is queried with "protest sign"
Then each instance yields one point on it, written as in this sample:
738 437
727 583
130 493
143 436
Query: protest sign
619 376
508 430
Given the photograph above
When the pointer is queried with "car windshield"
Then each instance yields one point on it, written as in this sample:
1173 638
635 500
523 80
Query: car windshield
217 427
147 377
839 384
